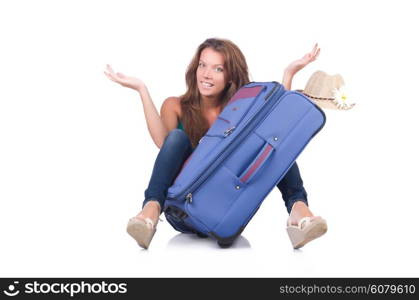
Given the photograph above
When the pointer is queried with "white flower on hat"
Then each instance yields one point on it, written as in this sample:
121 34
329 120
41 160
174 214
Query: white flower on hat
341 98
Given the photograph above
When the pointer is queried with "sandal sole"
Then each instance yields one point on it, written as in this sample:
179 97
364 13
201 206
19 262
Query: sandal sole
142 233
314 230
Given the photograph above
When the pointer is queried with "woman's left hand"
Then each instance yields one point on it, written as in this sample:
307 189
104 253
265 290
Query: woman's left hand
297 65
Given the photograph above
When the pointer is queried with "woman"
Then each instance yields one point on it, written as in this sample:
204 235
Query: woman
216 72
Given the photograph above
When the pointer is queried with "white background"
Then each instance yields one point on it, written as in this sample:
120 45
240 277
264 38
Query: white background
76 156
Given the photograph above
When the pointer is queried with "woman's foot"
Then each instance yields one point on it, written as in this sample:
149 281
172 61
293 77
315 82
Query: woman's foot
302 226
151 210
142 227
298 211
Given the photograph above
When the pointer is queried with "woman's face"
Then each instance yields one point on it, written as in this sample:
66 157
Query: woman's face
211 75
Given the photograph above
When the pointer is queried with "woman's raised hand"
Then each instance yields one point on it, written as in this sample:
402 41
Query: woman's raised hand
124 80
298 64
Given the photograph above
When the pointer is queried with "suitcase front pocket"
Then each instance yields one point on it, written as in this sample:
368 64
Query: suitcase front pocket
213 199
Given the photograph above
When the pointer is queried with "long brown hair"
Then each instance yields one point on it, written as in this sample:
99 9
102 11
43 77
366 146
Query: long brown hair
195 125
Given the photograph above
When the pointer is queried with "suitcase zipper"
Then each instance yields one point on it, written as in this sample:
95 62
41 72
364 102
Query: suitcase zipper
229 131
189 197
242 135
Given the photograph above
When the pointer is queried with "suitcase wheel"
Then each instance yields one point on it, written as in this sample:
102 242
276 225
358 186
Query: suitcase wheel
201 235
224 244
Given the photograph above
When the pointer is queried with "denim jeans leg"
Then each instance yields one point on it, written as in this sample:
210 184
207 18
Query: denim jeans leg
173 153
291 187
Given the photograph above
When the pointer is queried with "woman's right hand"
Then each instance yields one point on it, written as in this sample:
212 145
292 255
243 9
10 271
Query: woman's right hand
124 80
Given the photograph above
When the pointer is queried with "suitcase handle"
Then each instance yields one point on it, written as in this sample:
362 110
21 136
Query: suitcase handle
257 163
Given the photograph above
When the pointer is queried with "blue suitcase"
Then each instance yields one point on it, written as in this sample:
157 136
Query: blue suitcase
246 152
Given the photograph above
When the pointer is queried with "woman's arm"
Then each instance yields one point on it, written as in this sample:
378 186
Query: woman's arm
287 79
155 124
297 65
158 126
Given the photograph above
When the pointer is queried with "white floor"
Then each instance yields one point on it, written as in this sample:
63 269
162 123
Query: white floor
96 245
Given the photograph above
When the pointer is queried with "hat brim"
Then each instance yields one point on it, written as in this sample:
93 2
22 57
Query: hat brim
325 103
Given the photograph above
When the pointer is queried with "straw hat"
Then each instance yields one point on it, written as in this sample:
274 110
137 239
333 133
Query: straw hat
327 91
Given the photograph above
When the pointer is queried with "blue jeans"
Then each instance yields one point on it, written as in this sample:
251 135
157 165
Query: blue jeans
177 148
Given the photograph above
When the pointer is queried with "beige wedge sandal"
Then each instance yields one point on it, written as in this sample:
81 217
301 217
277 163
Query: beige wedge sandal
142 230
308 229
